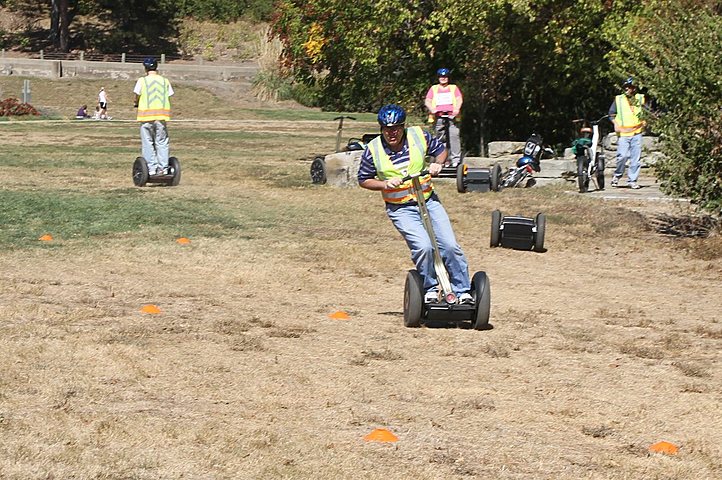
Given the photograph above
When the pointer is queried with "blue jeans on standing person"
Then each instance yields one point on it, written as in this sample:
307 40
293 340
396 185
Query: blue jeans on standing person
407 220
155 144
629 148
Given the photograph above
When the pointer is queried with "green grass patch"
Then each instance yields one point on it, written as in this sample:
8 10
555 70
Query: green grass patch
127 213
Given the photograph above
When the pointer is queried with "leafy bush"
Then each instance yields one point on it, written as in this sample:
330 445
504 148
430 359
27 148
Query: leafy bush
673 50
11 107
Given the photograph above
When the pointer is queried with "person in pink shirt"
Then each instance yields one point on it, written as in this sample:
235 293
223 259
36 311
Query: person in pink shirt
444 100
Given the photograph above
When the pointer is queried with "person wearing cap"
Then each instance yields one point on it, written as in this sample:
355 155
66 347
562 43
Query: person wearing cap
626 113
400 151
103 103
152 99
445 99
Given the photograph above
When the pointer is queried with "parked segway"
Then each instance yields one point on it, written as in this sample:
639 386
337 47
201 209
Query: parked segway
519 233
170 178
447 309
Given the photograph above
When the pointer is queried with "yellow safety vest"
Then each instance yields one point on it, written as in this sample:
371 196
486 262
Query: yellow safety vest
454 99
385 169
628 114
154 101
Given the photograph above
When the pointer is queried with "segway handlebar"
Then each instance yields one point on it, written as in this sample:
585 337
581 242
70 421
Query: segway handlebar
414 175
345 116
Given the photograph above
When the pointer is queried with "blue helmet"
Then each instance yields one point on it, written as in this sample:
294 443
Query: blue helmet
629 82
150 63
442 72
391 115
524 161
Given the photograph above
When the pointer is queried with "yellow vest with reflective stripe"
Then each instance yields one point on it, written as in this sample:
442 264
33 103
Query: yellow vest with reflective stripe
154 101
385 169
628 114
454 99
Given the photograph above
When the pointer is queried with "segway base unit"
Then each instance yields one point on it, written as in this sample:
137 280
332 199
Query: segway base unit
141 176
473 179
517 232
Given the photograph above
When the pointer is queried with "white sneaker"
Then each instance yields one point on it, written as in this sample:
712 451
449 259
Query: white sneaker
466 299
634 185
432 296
615 181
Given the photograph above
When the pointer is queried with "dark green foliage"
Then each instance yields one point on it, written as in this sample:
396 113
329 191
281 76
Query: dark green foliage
673 50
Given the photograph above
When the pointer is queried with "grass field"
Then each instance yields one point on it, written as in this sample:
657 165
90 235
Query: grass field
603 345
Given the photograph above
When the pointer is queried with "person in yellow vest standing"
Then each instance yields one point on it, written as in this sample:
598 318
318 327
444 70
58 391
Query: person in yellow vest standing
626 113
446 99
387 159
152 99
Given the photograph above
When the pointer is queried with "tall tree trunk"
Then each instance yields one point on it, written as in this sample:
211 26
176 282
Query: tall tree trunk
55 23
483 141
64 26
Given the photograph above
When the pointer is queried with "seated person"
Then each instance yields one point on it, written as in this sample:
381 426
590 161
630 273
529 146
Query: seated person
82 113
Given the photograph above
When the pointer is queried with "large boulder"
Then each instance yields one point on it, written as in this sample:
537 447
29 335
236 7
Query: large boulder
342 168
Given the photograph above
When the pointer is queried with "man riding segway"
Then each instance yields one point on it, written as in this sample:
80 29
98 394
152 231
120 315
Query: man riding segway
444 101
396 153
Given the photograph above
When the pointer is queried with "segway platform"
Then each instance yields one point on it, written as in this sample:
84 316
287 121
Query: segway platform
141 176
473 179
416 311
517 232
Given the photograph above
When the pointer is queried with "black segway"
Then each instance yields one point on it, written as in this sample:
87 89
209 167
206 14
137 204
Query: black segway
518 233
447 309
141 176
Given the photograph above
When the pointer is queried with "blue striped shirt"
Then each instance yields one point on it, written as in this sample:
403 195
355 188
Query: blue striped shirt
367 169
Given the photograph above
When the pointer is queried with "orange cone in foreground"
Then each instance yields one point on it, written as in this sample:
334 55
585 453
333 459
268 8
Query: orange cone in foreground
381 435
339 315
151 309
664 447
183 241
46 238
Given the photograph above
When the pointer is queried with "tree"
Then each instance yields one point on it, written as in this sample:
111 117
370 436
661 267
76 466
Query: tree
523 65
672 48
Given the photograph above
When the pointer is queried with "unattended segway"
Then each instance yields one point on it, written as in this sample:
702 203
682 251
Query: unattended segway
447 309
519 233
141 176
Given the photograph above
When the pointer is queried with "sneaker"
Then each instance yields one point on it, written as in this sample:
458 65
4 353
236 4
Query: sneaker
432 296
159 171
634 185
466 299
615 181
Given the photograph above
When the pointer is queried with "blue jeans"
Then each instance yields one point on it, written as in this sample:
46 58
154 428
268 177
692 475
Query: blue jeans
629 148
154 144
407 220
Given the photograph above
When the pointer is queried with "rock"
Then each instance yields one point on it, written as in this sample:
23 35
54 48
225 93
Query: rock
498 149
342 168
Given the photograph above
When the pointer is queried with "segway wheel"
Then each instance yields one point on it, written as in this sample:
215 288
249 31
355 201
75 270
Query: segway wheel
541 223
495 237
600 171
413 299
496 177
140 172
481 287
582 175
461 178
175 170
318 171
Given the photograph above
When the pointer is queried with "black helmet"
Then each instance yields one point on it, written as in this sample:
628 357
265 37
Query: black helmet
391 115
629 82
150 63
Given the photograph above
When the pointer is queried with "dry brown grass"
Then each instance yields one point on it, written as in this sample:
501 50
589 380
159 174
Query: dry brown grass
608 342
